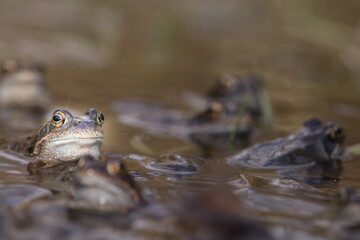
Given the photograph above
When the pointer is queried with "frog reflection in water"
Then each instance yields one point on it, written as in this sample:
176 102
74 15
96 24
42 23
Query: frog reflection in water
65 137
315 141
104 186
23 97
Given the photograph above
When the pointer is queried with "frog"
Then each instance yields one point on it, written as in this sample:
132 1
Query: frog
233 92
64 137
314 142
104 186
228 97
230 111
24 97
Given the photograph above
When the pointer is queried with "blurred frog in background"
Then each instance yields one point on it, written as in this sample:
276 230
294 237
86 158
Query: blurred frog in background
24 98
220 121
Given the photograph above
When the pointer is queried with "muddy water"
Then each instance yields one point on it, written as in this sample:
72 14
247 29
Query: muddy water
307 53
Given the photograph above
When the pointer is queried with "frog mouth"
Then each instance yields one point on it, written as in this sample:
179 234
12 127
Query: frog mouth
83 139
79 137
77 144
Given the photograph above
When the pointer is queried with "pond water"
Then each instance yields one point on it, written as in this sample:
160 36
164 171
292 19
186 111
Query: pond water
98 53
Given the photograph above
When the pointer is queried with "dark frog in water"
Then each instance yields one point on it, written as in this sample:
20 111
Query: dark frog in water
104 186
315 141
235 93
65 137
227 114
24 97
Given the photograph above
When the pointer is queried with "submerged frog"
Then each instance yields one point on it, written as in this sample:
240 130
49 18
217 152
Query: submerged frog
104 186
24 97
315 141
65 137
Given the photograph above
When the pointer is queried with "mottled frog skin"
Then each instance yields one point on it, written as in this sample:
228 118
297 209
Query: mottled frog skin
315 141
65 137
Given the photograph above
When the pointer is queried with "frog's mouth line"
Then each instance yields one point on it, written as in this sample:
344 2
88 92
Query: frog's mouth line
76 143
100 138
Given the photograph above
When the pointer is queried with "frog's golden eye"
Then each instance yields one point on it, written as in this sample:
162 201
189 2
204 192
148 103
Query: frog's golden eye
114 167
100 118
58 119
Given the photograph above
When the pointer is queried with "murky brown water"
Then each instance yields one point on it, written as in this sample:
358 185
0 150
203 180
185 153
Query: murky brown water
308 54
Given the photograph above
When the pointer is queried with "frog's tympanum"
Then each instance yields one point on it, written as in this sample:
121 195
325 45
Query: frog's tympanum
104 186
65 137
315 141
24 99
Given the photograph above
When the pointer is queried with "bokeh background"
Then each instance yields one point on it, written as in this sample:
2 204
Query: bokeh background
97 52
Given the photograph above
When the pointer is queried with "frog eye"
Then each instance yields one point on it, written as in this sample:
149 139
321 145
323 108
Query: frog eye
58 119
100 118
337 134
114 167
215 110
